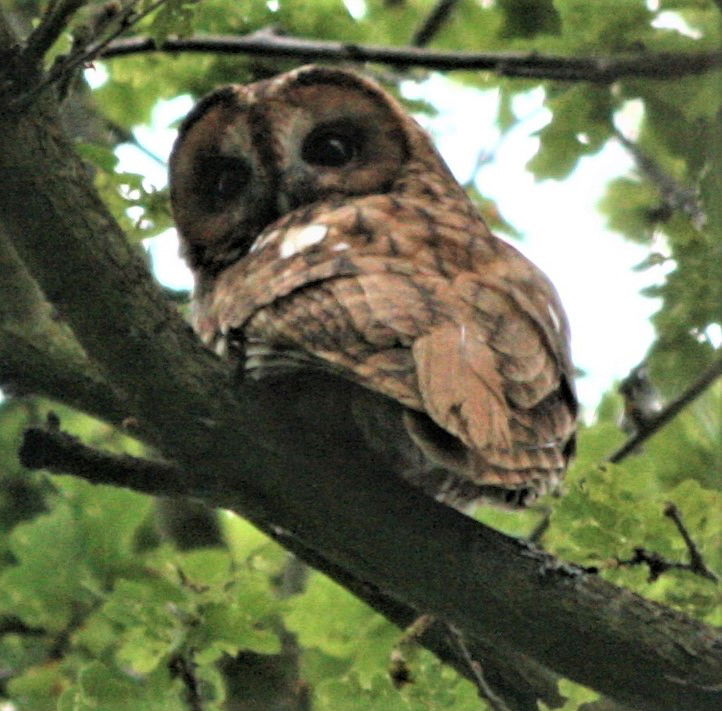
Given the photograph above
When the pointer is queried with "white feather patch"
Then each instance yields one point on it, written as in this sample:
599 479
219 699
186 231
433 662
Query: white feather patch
298 238
263 241
221 347
555 318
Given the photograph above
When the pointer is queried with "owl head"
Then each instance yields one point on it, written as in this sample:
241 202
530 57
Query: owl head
249 154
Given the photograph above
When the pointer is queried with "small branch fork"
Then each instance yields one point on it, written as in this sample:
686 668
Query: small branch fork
669 412
658 564
54 22
127 19
529 65
52 25
485 691
696 564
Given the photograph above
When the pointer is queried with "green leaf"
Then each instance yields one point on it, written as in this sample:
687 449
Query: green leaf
37 689
617 25
346 621
103 688
581 123
149 618
631 206
174 17
526 18
44 586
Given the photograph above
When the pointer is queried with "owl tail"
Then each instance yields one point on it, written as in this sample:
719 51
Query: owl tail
469 428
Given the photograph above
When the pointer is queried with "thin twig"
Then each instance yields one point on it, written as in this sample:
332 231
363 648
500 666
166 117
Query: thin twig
439 14
675 195
541 527
123 135
658 564
485 691
530 65
127 19
671 410
185 669
399 669
52 25
696 561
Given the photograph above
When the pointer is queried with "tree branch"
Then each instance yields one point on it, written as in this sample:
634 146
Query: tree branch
38 352
669 412
62 453
519 679
658 564
529 65
262 450
484 689
675 195
183 667
126 18
51 26
696 561
439 14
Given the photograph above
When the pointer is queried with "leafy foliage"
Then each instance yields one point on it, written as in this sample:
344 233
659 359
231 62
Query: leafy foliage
101 609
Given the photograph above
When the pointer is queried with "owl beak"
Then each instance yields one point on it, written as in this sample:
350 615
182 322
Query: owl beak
283 203
297 188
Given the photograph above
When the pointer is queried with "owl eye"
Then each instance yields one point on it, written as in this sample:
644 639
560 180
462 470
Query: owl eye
331 147
226 178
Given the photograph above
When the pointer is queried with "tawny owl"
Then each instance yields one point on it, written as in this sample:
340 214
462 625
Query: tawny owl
323 228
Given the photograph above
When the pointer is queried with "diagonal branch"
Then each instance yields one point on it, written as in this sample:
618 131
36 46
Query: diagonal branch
38 352
51 26
696 560
439 14
669 412
674 194
520 680
528 65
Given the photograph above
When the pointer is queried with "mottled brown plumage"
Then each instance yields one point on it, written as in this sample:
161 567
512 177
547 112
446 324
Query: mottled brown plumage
323 228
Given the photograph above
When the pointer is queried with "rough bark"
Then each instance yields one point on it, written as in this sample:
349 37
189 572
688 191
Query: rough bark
264 451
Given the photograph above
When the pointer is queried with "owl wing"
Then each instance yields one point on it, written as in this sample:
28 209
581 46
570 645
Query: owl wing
480 355
499 378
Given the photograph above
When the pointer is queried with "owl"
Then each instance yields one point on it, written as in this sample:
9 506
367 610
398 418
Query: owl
324 230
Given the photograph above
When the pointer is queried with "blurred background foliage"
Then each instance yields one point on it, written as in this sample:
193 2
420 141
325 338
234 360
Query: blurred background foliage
111 600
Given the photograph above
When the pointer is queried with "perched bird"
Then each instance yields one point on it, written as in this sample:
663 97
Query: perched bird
324 230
